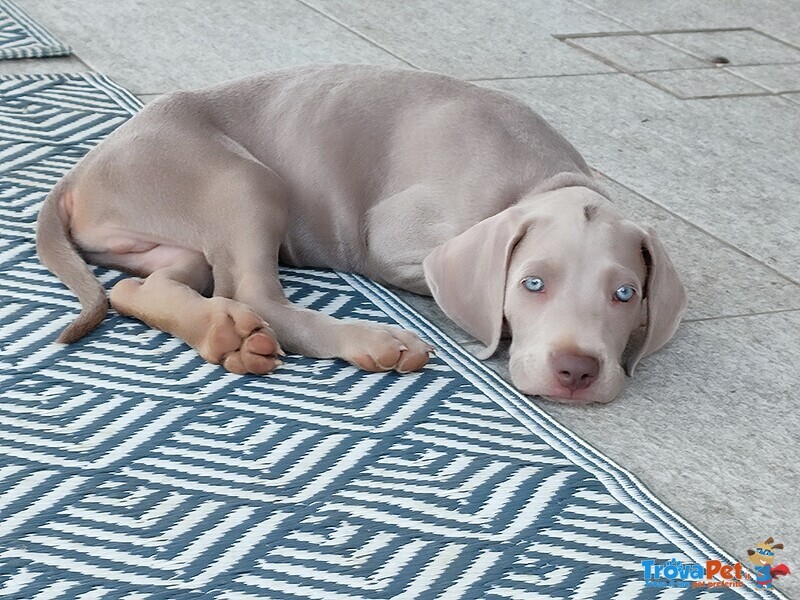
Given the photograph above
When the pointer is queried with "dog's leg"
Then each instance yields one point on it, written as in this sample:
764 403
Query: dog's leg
251 277
222 331
311 333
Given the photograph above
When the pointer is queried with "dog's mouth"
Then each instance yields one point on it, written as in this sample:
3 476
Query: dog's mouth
553 392
575 398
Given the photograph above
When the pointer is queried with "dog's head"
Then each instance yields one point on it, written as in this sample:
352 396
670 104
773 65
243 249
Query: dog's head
584 292
764 554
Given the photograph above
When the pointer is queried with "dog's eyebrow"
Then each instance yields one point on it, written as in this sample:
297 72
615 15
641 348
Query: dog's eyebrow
589 211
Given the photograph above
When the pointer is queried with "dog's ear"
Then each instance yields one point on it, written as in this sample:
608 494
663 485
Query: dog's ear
467 275
665 297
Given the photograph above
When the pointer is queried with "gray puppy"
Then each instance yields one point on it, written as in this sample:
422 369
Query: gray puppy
413 179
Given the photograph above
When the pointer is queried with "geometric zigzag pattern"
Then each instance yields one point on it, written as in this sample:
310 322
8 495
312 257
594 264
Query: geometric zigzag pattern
130 468
22 37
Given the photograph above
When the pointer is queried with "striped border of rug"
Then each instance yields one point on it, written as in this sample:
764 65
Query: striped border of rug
131 468
22 37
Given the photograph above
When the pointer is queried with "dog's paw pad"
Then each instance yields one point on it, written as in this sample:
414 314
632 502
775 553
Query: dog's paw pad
239 340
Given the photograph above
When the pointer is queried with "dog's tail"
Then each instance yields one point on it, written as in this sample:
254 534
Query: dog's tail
58 253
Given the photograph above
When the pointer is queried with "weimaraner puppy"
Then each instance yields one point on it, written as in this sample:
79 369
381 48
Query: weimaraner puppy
413 179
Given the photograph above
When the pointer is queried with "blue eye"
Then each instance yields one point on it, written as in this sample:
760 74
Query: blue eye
533 284
624 293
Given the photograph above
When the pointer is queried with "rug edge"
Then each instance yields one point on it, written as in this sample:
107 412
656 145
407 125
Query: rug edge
51 45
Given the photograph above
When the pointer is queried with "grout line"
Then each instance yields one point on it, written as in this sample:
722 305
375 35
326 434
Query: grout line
653 32
743 315
786 97
84 63
603 59
761 85
700 229
764 94
743 78
604 14
81 60
710 67
777 39
356 32
513 77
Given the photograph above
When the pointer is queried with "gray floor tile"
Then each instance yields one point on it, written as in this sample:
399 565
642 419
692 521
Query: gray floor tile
727 164
153 47
777 78
795 97
702 83
553 17
147 98
776 17
739 47
637 52
509 38
56 64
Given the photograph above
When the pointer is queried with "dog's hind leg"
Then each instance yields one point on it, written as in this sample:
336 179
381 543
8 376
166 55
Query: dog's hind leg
245 267
311 333
222 331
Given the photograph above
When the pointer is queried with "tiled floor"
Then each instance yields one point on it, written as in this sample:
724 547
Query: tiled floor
693 131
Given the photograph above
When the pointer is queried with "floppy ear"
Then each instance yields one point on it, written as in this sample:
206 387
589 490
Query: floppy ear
467 275
666 300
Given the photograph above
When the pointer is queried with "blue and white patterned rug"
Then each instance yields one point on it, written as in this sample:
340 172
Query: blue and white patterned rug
129 468
22 37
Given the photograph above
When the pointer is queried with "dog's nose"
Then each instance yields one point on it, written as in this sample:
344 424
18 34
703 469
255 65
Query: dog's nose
576 371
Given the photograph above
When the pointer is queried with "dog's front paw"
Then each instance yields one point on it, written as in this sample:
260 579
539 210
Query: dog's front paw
385 349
